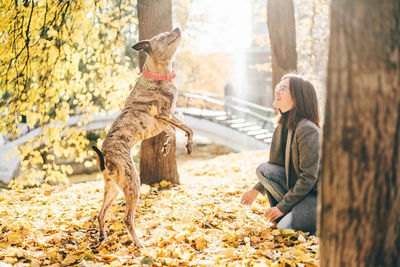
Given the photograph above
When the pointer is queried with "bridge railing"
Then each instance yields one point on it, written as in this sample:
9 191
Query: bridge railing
232 106
246 117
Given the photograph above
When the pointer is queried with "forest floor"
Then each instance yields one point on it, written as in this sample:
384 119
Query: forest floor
198 223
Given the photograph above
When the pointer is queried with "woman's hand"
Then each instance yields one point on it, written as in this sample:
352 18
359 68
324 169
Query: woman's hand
273 213
249 196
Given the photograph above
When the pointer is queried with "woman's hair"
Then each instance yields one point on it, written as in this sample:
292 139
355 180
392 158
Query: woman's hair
305 100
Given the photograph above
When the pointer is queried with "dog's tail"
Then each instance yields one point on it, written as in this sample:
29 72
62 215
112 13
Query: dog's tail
100 159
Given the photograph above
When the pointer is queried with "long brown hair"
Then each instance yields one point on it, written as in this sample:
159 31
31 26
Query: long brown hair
305 99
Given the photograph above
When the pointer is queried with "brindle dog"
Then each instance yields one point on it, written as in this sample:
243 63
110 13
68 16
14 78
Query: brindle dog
149 110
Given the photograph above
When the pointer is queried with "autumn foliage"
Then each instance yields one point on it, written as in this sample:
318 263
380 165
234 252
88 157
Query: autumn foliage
59 59
199 223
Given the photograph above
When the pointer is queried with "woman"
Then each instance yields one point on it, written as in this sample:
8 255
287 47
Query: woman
290 177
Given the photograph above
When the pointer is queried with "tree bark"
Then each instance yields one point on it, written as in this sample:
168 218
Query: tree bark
282 35
359 218
155 16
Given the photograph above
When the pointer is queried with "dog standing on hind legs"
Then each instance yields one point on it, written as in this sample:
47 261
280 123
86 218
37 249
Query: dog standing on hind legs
148 111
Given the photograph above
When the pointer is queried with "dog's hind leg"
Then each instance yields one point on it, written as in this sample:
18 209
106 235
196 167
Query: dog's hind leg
110 193
130 216
131 191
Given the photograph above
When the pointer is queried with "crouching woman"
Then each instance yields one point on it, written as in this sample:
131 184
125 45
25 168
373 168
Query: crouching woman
290 177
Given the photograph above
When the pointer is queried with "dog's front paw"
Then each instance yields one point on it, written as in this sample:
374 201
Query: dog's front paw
189 148
138 244
103 238
165 149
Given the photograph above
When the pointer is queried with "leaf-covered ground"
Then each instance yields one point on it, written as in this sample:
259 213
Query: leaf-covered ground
199 223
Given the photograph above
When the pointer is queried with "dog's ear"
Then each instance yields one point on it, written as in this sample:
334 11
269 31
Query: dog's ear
142 45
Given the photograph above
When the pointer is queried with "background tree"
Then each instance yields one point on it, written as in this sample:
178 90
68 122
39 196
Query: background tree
359 221
312 36
155 16
282 34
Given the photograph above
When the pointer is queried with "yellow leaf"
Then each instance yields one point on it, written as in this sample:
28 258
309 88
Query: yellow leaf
52 32
169 226
263 263
287 263
35 263
104 251
227 252
288 232
70 259
153 111
166 194
52 254
275 232
83 244
255 239
164 183
10 260
266 234
109 257
12 237
181 236
229 237
145 190
298 253
86 224
301 238
201 243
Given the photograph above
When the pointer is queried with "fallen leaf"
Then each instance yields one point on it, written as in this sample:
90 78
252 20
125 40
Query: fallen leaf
70 259
197 223
227 253
35 263
146 260
288 232
201 243
275 232
164 183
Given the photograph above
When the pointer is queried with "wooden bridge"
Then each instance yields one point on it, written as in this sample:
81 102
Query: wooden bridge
229 121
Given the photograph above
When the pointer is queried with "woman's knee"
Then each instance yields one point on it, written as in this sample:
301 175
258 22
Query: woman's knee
286 222
267 170
260 170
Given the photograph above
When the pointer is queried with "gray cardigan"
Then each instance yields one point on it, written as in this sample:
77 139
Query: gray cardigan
303 148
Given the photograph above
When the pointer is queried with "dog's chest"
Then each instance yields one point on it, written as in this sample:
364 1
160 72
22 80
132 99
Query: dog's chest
161 95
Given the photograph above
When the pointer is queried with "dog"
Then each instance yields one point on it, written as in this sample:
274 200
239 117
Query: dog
148 111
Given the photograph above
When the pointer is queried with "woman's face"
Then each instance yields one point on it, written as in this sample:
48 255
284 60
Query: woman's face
283 99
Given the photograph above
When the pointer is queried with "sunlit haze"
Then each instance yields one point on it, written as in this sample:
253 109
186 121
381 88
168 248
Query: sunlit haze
227 25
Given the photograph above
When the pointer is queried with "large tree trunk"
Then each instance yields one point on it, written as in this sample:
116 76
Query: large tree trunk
359 218
282 35
155 16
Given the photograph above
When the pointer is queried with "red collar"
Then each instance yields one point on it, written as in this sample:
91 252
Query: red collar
158 76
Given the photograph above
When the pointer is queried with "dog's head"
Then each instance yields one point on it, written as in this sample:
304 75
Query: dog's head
161 47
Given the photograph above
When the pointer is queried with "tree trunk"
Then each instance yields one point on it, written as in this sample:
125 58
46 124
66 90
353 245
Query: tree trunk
359 219
282 35
155 16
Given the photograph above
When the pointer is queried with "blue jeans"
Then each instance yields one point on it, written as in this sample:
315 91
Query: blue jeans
273 179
